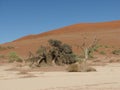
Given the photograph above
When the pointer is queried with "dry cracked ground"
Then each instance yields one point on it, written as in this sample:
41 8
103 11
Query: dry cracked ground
106 78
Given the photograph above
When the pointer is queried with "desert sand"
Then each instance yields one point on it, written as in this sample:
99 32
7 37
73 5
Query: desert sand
106 78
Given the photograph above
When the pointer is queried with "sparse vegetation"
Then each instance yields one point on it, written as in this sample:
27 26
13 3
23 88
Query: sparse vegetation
102 52
5 48
10 47
89 48
14 57
116 52
2 48
73 68
56 53
2 56
106 46
81 67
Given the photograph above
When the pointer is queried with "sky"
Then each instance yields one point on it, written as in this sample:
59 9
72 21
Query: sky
19 18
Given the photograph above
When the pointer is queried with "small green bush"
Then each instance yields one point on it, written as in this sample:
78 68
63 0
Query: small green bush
116 52
2 56
2 48
14 57
92 49
102 52
10 47
106 46
100 45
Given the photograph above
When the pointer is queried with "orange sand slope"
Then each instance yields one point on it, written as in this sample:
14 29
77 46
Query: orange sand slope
107 32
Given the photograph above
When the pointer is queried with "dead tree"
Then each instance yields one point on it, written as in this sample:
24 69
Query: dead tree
89 47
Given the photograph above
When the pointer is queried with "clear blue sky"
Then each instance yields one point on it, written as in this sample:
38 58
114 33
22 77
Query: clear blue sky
23 17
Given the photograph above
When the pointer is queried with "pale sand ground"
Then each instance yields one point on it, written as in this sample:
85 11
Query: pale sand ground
106 78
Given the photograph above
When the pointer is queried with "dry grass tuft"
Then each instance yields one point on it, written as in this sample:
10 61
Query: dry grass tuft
80 68
73 68
23 72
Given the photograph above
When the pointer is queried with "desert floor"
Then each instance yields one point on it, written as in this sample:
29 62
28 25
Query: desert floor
106 78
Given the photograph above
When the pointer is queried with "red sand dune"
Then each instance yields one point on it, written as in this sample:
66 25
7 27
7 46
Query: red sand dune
107 32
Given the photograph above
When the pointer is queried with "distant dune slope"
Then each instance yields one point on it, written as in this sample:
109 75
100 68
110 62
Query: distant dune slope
107 32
